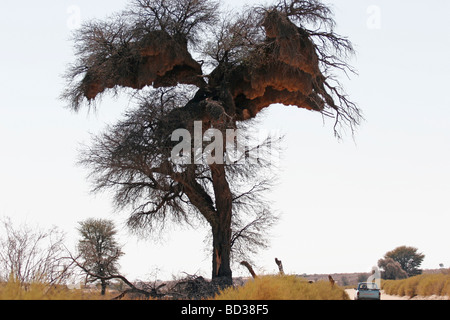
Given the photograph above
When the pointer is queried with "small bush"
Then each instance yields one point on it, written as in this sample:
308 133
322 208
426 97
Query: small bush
391 287
446 288
430 285
411 285
283 288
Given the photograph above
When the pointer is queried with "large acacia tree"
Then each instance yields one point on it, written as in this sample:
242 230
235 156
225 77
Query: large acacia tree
188 61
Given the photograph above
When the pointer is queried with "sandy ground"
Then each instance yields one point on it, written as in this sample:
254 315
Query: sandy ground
351 294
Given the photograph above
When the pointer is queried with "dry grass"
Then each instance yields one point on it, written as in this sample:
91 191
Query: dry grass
422 285
14 290
283 288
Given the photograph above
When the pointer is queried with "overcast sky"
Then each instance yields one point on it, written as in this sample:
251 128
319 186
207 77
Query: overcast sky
344 204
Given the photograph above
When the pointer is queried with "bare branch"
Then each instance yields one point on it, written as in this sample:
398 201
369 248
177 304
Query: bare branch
33 254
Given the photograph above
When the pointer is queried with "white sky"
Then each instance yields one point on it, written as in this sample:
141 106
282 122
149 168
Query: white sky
393 180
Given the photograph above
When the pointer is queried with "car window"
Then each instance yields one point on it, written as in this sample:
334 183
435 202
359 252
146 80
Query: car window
369 286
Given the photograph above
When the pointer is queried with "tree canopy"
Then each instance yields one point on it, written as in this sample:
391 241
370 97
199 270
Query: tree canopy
285 53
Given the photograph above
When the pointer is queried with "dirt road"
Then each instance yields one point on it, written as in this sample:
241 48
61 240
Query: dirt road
351 294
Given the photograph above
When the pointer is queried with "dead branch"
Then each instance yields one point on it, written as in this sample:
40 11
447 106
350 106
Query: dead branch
250 269
332 282
280 266
153 293
195 287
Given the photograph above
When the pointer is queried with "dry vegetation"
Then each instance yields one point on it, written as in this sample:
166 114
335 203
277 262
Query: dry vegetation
421 285
281 287
14 290
271 287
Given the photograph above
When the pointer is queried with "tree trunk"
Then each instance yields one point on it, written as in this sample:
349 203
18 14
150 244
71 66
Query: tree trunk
218 213
103 287
222 228
221 268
